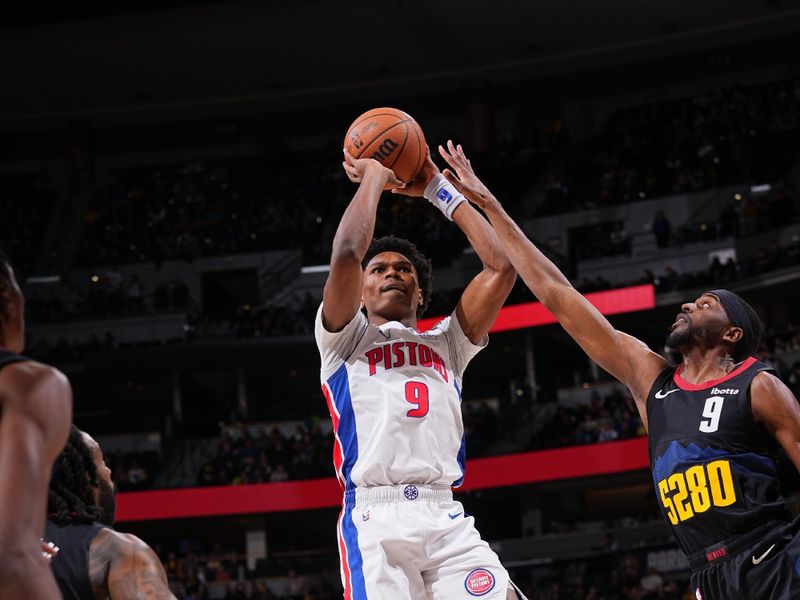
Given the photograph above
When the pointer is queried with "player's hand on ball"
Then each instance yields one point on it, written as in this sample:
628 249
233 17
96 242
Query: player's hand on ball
357 168
464 178
417 187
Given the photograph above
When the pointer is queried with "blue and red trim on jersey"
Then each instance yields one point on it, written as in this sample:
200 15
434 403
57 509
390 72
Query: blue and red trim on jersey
337 444
352 564
462 451
345 453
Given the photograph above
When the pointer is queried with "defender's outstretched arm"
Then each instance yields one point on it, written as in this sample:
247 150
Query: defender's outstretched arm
625 357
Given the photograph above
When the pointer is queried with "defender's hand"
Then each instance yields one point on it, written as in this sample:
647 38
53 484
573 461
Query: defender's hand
416 188
358 168
464 178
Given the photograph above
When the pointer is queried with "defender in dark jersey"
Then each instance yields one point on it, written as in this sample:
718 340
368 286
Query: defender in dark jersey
716 423
35 412
95 562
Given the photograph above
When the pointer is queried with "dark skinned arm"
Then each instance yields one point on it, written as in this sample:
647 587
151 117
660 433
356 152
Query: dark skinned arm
625 357
485 294
123 567
36 413
777 410
341 297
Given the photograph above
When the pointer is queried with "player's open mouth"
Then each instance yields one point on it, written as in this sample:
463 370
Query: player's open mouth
393 286
681 318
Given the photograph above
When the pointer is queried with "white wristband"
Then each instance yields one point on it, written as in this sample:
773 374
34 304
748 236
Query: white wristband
443 195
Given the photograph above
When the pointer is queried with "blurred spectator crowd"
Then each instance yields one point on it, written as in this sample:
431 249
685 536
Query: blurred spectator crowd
193 568
132 471
262 457
26 203
271 201
611 573
715 138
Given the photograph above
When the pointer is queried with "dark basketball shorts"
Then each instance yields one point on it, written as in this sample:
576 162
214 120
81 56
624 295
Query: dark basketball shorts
764 565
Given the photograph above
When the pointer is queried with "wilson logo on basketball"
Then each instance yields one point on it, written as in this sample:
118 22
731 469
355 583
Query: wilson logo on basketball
479 582
385 149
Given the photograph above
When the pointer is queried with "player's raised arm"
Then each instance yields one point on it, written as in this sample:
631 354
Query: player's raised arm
484 296
488 290
342 295
622 355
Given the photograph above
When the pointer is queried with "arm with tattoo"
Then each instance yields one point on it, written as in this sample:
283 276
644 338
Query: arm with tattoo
123 567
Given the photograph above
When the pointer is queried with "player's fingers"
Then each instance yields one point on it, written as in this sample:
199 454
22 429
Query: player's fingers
351 173
452 178
449 159
348 158
463 155
458 154
451 147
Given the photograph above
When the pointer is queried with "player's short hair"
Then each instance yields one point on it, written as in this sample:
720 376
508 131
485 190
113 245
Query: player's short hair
422 264
73 482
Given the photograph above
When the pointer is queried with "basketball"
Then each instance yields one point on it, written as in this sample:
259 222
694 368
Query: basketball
390 136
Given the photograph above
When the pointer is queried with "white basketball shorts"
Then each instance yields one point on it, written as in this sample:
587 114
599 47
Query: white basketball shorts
414 542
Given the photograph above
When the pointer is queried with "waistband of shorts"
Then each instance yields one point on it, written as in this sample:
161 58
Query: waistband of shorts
727 549
411 492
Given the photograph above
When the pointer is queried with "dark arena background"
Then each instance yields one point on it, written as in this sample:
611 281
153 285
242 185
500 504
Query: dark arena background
170 182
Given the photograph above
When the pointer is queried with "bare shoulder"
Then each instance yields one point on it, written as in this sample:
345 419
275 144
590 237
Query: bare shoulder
134 570
116 544
133 543
770 398
766 382
28 378
39 396
101 551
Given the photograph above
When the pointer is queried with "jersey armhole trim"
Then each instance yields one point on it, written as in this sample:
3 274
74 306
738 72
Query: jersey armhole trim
662 379
746 402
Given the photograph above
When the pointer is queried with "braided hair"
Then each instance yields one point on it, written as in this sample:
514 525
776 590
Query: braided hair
73 483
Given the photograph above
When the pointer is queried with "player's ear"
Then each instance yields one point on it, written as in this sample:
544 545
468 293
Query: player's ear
733 334
420 299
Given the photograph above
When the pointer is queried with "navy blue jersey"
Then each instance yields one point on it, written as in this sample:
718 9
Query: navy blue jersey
714 467
7 357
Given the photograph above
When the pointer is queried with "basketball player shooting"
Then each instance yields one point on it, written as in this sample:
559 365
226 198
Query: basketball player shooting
394 395
716 423
35 412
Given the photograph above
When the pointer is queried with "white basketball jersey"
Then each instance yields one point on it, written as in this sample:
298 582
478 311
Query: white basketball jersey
394 396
